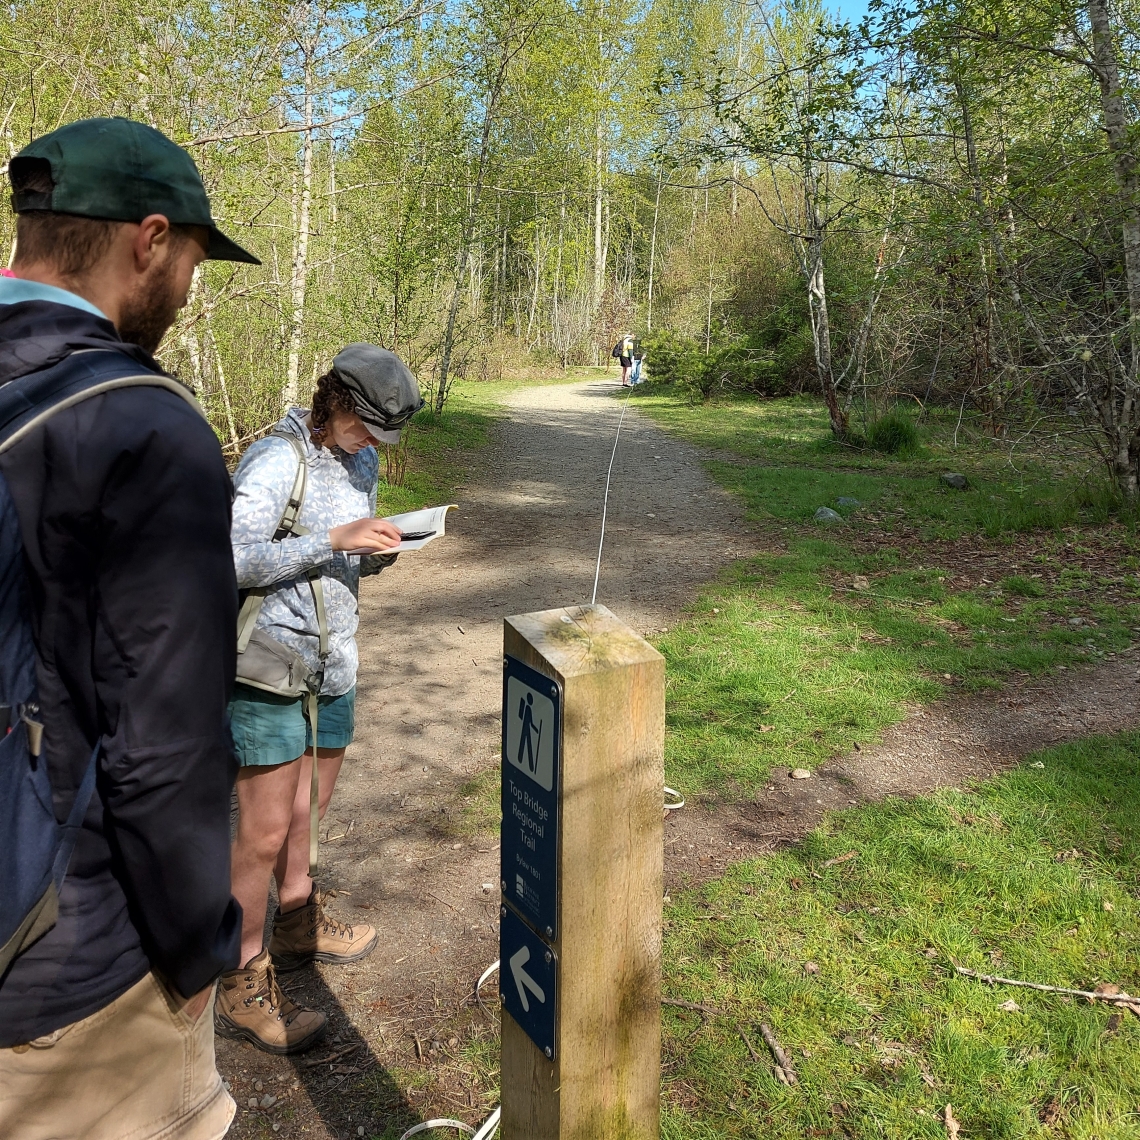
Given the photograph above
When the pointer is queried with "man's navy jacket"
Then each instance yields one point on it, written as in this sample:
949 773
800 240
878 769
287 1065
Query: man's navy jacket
124 508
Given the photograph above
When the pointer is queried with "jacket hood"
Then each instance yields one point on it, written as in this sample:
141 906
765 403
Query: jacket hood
38 334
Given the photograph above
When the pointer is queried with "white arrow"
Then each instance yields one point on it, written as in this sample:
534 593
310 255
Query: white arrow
523 980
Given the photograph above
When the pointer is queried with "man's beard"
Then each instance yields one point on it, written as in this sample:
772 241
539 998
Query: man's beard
150 311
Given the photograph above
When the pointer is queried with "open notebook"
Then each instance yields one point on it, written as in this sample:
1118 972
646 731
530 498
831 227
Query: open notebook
430 522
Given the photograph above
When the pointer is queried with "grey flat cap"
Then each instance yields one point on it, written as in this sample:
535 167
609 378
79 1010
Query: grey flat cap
387 394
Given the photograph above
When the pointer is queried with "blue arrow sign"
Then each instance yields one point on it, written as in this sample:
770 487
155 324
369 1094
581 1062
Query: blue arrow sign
527 980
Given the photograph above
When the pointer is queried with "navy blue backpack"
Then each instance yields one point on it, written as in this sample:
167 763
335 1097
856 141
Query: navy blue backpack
35 848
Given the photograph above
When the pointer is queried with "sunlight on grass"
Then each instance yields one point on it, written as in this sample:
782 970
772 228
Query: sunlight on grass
782 663
793 466
1034 876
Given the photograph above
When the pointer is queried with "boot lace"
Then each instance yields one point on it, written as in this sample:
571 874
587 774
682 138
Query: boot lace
271 997
331 925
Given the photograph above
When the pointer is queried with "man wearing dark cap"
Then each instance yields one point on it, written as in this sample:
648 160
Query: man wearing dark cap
123 503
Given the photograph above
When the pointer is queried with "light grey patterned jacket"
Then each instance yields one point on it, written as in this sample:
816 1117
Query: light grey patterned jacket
341 488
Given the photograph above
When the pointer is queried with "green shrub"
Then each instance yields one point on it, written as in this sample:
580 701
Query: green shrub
741 365
671 358
893 434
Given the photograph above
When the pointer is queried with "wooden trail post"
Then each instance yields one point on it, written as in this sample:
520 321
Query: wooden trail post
580 939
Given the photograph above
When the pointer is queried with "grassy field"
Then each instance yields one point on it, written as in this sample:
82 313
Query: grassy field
1032 876
922 589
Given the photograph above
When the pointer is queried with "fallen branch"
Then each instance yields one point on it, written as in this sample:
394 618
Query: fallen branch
751 1052
1092 995
332 1056
784 1071
695 1005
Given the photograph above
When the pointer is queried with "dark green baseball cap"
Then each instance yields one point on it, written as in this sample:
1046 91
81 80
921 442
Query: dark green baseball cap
122 171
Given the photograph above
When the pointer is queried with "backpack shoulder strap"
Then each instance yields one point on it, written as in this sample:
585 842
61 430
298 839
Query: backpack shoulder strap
292 512
29 401
251 604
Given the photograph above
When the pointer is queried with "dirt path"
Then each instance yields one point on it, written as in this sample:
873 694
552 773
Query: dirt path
399 850
946 744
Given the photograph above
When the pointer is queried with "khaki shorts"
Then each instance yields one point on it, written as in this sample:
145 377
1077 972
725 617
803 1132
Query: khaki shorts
139 1069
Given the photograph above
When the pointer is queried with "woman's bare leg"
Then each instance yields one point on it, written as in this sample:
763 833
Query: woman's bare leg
266 797
292 864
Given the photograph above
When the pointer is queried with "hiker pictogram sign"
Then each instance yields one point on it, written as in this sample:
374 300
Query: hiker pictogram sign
532 741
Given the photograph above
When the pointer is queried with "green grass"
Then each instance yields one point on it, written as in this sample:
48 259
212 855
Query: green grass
784 662
780 458
1034 875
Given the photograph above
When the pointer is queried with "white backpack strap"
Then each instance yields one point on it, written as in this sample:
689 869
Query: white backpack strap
251 607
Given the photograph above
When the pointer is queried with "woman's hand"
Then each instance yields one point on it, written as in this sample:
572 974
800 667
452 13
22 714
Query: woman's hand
365 536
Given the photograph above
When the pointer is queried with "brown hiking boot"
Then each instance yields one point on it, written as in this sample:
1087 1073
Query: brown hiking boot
250 1005
307 934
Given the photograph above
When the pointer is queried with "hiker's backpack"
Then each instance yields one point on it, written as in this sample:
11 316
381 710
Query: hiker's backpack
35 848
616 354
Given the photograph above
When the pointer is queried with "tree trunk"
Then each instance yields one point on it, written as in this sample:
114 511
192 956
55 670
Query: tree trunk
821 336
812 265
220 372
653 252
599 208
1125 404
301 249
468 234
1116 127
708 309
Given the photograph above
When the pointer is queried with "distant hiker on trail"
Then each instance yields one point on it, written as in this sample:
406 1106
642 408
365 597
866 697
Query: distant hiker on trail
304 510
123 504
635 376
623 352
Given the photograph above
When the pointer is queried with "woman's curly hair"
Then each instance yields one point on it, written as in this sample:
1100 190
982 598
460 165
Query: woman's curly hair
330 397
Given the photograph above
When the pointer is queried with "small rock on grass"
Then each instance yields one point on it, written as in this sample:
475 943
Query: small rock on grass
859 582
847 501
1009 1006
811 968
800 774
827 515
957 481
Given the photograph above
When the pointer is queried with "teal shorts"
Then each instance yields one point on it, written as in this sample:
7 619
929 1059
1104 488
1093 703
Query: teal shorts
269 729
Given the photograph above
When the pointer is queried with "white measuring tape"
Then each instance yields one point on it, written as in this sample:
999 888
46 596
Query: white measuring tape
606 500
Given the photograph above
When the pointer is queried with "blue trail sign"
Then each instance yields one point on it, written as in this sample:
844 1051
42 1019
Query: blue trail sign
532 746
528 974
